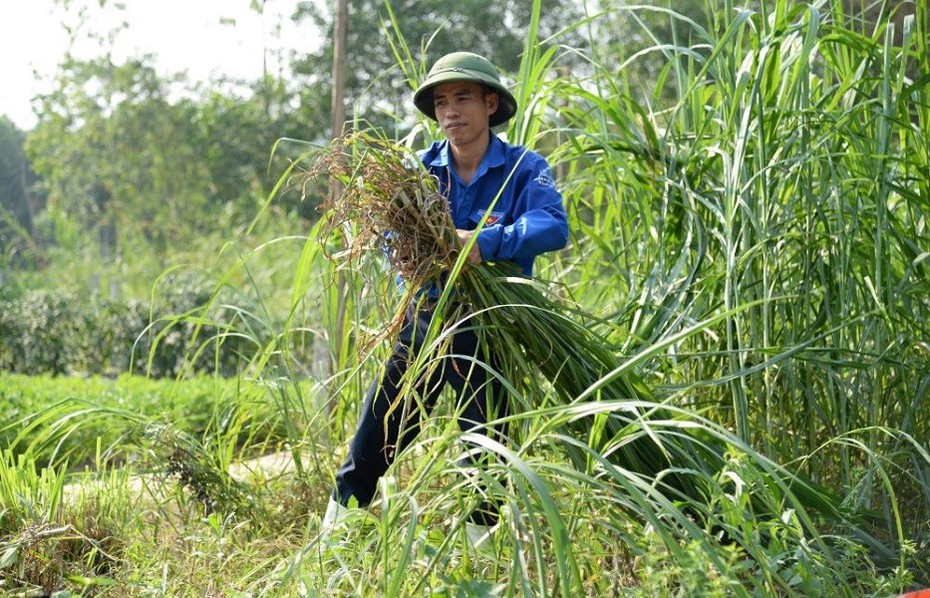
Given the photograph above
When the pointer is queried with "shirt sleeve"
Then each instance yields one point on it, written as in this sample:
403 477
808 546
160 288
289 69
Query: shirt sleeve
539 219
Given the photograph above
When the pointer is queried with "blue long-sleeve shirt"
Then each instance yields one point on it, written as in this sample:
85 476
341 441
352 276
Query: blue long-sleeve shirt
526 220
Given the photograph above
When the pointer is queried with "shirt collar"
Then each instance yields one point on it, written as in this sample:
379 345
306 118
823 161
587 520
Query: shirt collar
493 157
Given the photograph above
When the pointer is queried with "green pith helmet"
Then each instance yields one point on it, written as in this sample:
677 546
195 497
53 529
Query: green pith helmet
465 66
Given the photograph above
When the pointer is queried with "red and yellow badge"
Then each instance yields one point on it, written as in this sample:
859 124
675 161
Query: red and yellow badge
493 217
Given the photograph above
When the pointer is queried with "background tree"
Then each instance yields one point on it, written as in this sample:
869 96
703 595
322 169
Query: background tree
113 152
18 202
375 86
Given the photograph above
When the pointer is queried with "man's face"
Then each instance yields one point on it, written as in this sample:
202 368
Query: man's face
462 110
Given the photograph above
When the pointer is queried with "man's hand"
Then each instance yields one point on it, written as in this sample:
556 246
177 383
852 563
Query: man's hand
404 268
474 256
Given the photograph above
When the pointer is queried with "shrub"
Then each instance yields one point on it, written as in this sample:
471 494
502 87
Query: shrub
56 332
39 332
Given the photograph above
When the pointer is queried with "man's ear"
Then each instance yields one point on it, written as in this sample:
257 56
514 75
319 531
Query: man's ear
492 101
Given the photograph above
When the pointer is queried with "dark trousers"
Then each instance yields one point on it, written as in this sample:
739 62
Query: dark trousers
389 422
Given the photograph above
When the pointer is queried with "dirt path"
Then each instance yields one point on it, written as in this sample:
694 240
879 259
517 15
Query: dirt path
269 466
264 467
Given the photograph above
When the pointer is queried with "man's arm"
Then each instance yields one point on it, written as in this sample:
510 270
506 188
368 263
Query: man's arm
541 225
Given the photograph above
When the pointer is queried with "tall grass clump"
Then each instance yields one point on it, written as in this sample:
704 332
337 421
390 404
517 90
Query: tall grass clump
48 538
730 233
775 174
663 458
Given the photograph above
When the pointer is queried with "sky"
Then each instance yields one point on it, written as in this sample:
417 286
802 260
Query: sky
205 38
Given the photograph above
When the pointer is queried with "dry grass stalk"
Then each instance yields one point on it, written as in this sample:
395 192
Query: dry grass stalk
393 203
387 204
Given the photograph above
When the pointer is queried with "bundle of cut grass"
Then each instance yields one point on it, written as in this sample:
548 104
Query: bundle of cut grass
643 438
395 205
392 206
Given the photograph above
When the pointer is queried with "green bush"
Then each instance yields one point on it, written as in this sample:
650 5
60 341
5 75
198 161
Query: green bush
183 329
39 330
57 332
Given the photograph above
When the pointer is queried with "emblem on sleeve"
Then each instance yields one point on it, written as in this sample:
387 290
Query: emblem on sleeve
493 217
544 178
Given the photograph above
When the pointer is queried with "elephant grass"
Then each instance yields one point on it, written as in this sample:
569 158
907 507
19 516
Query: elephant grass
394 207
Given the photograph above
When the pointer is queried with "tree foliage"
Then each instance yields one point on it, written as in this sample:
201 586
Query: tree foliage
117 152
111 149
376 87
18 203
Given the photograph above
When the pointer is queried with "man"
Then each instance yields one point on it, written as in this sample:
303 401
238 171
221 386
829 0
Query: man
464 94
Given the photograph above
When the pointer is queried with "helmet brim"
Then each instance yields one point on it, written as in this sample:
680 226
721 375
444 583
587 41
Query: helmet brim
423 96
